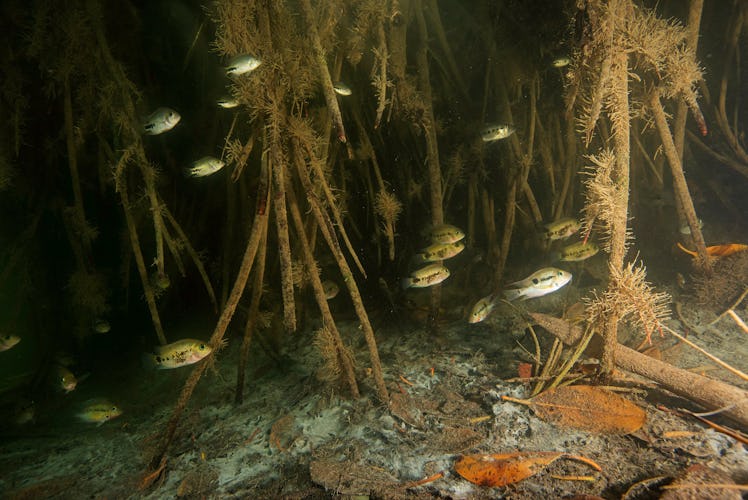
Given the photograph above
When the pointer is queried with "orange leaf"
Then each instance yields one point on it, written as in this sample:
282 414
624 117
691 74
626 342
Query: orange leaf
725 250
589 408
503 469
524 370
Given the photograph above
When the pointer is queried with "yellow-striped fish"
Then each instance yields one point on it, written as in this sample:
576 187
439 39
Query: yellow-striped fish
63 379
482 309
8 341
561 229
426 276
445 233
439 251
180 353
578 251
99 411
539 283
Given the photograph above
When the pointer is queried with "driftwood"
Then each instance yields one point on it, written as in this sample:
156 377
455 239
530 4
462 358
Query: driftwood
710 393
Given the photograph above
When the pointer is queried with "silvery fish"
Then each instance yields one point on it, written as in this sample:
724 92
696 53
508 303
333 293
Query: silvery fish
227 102
482 309
160 121
341 88
101 325
205 166
539 283
561 61
426 276
562 228
99 411
445 233
686 229
330 288
578 251
242 64
495 131
180 353
439 251
8 341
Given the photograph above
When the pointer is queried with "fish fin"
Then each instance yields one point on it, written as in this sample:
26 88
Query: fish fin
513 294
519 284
148 361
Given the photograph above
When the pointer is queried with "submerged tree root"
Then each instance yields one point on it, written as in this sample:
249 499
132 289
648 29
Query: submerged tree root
707 392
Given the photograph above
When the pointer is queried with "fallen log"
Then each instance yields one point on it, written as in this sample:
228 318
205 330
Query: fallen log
709 393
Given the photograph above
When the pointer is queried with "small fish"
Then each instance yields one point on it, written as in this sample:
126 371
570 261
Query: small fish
242 64
426 276
227 102
445 233
561 229
495 131
686 229
99 411
25 413
8 341
439 251
482 309
539 283
177 354
341 88
331 289
578 251
561 61
64 358
161 281
160 121
64 379
101 325
680 280
205 166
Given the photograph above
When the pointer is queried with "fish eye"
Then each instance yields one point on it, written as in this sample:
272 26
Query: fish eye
114 408
535 281
202 346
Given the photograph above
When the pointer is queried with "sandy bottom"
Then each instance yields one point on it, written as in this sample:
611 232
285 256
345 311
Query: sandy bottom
296 436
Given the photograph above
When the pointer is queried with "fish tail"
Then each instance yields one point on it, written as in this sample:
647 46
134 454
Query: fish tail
513 294
406 283
148 361
555 256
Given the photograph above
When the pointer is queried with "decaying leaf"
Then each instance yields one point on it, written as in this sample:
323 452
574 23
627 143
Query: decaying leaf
502 469
588 408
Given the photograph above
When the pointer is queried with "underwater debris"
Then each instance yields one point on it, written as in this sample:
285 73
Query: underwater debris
629 298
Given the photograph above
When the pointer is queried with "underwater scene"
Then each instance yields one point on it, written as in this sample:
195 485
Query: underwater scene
373 249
